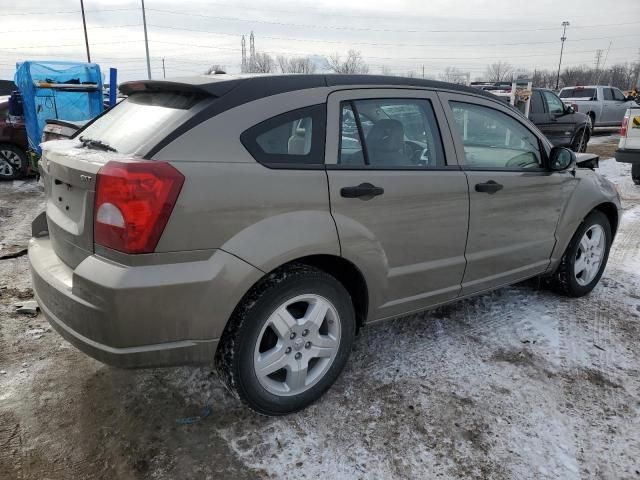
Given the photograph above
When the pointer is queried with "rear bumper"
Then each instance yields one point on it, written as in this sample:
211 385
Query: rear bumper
628 156
146 316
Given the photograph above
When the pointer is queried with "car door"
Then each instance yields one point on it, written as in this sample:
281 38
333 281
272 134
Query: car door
515 202
540 116
562 124
620 106
398 197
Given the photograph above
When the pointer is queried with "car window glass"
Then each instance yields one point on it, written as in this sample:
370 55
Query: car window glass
579 92
396 132
618 95
292 137
295 137
554 103
350 146
608 94
493 139
536 103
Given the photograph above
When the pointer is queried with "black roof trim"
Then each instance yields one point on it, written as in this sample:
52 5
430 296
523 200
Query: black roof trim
231 91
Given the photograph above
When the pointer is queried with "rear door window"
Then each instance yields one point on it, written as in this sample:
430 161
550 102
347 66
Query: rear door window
536 102
390 132
608 93
290 140
582 93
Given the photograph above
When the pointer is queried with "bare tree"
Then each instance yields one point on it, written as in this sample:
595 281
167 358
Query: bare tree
262 63
453 75
384 70
499 71
216 67
411 74
354 63
296 65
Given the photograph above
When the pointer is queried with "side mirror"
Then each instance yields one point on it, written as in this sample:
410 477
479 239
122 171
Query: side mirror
568 109
561 159
630 98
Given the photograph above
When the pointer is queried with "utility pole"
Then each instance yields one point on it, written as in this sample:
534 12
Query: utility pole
84 25
243 64
565 24
252 52
423 71
164 73
146 40
598 58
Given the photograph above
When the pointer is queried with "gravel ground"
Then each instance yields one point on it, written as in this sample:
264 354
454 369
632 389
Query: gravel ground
518 383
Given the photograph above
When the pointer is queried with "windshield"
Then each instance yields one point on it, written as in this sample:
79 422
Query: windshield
586 93
132 122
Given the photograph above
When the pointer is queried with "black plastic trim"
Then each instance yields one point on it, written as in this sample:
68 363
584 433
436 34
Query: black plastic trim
418 168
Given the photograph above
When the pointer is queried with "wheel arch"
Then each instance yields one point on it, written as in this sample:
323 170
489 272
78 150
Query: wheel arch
611 212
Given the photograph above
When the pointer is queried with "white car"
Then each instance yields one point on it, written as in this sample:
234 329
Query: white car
629 146
605 105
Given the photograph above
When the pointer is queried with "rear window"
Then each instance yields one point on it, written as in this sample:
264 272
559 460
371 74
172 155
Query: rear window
131 123
586 93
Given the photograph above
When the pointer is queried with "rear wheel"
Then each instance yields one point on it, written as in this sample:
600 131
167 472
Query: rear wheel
580 141
585 258
13 162
288 340
635 173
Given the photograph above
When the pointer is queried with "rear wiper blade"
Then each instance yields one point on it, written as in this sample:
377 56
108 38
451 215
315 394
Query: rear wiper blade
97 144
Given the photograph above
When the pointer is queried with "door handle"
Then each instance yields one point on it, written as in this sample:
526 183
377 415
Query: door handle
489 187
362 190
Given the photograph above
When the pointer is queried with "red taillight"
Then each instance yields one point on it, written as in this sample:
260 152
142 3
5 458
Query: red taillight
623 130
134 200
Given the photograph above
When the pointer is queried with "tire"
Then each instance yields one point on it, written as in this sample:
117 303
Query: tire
565 279
635 173
250 336
580 141
13 162
592 117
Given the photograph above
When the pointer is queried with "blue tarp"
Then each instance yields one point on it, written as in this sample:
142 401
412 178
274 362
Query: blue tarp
63 90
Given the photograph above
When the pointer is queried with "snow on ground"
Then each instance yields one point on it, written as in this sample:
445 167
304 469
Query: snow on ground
517 383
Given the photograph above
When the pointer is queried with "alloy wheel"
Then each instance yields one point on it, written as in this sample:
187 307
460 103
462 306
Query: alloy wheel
297 345
9 162
589 255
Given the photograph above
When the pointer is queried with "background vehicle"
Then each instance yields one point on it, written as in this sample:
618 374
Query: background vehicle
13 144
205 218
560 123
629 146
604 105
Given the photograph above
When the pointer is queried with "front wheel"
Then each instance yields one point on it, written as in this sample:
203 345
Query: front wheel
581 140
585 258
288 340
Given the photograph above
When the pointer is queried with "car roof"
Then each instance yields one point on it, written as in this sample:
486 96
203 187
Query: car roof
257 86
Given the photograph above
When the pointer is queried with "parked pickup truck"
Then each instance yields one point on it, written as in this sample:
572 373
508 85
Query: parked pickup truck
629 146
605 105
560 123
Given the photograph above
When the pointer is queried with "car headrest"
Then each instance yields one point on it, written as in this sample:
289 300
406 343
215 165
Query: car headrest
386 135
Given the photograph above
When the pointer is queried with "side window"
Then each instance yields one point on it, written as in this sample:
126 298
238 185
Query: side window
390 133
554 103
292 139
618 95
493 139
608 93
536 102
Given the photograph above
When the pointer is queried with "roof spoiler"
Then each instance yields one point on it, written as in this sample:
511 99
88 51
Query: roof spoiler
214 90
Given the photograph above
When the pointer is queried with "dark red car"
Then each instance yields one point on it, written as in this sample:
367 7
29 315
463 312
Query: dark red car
14 160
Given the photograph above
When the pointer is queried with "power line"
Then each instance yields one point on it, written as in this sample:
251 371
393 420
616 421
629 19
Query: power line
66 12
367 29
381 44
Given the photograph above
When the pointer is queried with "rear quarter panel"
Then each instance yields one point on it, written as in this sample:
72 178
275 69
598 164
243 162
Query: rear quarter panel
265 216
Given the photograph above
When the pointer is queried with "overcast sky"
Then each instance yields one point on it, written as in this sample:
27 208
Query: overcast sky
403 35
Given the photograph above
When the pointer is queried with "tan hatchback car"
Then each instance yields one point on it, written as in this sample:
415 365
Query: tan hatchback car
260 221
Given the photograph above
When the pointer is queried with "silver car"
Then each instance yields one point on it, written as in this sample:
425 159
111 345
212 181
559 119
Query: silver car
260 222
